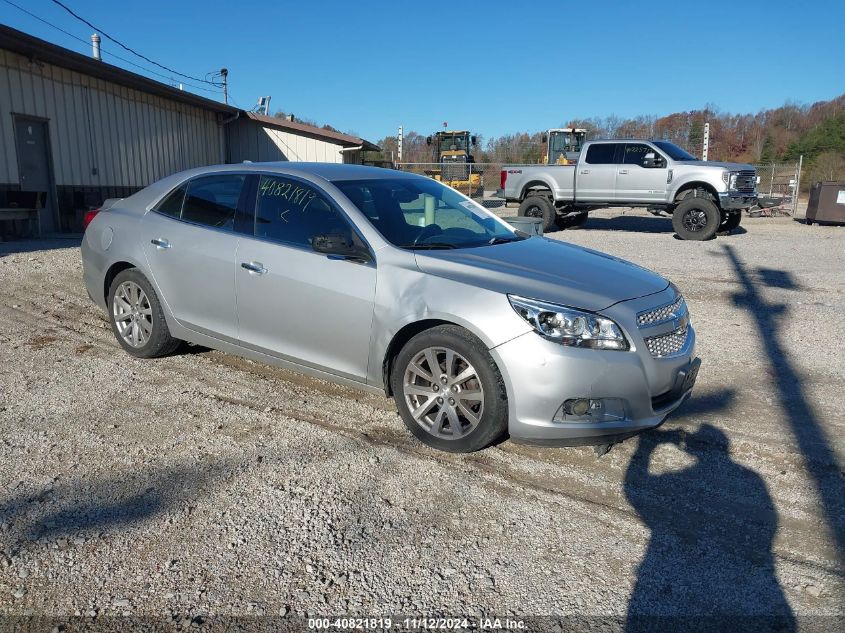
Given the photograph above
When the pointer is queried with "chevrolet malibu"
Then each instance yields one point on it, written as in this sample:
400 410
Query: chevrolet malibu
396 284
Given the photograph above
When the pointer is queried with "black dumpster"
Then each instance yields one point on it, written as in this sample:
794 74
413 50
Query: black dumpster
827 203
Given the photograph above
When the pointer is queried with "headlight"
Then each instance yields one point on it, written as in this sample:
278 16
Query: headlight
729 178
568 326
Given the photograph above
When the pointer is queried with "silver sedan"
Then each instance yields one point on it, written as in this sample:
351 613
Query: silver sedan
396 284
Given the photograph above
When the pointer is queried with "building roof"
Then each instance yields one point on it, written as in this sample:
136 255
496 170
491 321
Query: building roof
40 50
330 135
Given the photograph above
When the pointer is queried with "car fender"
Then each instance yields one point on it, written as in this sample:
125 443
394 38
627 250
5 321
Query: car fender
409 296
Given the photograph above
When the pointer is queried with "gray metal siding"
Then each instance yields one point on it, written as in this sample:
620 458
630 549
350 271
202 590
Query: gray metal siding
250 140
130 138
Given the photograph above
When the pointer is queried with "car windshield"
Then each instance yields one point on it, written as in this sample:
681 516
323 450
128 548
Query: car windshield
675 152
419 213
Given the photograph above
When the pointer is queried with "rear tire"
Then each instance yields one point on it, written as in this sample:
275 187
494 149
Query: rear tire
696 219
461 404
137 319
539 207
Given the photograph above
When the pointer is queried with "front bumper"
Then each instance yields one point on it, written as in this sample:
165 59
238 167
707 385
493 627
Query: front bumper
730 201
540 375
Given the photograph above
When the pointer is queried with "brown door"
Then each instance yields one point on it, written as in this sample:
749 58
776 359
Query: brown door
34 165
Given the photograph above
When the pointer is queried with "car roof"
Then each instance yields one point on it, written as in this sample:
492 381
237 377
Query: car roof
332 172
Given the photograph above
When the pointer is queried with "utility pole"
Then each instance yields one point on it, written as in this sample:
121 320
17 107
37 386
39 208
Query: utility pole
797 191
706 141
225 74
399 144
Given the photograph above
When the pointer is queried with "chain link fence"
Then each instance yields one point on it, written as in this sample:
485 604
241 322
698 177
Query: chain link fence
777 183
777 187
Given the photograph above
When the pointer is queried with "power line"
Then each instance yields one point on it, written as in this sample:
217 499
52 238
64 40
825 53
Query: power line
123 59
134 52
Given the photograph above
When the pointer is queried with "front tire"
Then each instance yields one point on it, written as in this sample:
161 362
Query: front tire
449 391
137 319
696 219
539 207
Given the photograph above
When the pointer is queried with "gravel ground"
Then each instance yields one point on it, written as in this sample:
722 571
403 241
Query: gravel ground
206 484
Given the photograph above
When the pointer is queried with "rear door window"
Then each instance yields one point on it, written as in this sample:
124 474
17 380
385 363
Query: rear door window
213 200
601 153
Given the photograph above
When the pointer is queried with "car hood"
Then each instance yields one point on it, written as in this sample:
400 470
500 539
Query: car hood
545 269
713 163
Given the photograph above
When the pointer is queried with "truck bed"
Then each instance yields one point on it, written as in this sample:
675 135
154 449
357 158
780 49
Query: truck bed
560 179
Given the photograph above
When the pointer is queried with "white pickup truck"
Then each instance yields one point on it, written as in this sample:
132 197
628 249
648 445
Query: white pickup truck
704 197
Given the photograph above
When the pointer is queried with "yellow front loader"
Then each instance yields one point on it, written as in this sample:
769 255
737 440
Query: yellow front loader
563 145
454 161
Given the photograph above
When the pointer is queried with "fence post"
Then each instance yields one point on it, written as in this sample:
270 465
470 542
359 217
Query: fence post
797 186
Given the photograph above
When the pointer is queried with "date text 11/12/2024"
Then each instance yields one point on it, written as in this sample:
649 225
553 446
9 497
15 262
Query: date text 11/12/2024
416 624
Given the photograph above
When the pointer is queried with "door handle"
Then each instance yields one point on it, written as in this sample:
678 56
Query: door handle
623 171
585 171
160 242
254 267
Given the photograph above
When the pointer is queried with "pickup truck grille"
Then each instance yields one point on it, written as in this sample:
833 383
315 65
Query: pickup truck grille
668 344
746 181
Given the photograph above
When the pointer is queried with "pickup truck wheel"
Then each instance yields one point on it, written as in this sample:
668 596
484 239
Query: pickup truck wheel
732 221
539 207
696 219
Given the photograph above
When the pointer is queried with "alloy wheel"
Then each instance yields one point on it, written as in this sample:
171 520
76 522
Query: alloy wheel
443 393
534 211
133 315
695 220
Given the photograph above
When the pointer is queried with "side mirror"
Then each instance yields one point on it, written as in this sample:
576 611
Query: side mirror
652 160
544 138
339 245
428 140
473 140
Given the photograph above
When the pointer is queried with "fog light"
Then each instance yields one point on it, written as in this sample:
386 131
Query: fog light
579 406
591 410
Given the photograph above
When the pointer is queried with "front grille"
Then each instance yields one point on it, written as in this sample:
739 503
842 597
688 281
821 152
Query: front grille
669 344
746 181
455 168
663 313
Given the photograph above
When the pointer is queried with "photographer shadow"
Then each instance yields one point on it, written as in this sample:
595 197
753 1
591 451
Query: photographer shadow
709 563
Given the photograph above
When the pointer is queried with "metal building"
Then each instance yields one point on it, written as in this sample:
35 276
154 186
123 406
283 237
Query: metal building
76 130
262 138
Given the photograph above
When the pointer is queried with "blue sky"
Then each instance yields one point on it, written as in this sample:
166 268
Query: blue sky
493 67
